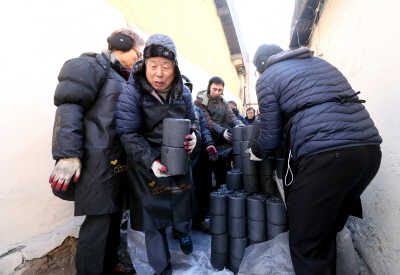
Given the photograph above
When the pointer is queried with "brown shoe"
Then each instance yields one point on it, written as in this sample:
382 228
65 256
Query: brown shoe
121 269
203 227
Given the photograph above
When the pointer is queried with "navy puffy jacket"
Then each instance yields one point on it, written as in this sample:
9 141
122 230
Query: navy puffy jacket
129 120
288 85
132 99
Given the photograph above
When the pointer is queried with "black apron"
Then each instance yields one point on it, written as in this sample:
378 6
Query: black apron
224 149
159 202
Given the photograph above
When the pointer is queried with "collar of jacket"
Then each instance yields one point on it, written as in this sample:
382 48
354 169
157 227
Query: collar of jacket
300 53
116 64
108 54
205 99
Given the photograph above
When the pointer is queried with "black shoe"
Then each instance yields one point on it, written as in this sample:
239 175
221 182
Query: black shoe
186 245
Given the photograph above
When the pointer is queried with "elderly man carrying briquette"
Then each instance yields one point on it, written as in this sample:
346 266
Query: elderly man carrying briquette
155 92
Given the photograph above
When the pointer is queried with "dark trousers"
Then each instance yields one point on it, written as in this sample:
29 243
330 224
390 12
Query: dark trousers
219 167
158 250
326 187
202 180
99 239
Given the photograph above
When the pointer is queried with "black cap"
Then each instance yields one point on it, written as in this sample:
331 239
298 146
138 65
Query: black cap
121 42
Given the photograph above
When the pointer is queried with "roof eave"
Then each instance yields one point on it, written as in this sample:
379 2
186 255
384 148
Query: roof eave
234 37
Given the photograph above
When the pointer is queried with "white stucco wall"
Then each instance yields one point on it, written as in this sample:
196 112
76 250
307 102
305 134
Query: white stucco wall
37 38
361 39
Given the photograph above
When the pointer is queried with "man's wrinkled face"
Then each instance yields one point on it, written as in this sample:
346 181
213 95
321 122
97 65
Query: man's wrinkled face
250 114
129 58
216 90
160 72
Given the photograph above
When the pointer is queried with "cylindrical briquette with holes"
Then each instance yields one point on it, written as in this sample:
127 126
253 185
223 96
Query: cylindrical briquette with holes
218 203
237 247
234 179
237 133
256 208
251 183
274 230
218 224
237 227
175 159
247 132
219 261
276 211
257 230
174 132
220 243
237 205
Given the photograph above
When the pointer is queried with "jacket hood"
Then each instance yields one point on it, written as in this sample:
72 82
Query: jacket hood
235 111
203 95
285 55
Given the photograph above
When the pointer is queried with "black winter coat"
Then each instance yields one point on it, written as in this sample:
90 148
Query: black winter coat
86 97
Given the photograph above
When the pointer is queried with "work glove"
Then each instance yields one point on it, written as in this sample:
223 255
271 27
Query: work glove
252 156
191 140
212 153
227 135
158 169
63 172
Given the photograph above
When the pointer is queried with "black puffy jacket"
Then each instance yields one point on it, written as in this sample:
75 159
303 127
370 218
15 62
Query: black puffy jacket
86 98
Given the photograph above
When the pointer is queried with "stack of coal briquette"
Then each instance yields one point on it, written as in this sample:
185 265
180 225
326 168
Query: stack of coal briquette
237 139
249 168
248 209
219 230
173 154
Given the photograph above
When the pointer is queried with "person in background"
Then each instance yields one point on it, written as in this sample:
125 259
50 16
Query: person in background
87 148
258 114
331 142
250 115
157 200
232 104
220 119
203 152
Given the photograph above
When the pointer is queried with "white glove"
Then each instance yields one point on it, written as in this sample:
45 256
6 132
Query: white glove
252 156
63 172
227 135
158 169
191 140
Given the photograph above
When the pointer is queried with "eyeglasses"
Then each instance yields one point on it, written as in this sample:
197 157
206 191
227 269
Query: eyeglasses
138 54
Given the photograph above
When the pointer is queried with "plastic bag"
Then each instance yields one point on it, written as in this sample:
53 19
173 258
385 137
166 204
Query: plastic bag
273 257
346 259
268 258
198 263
